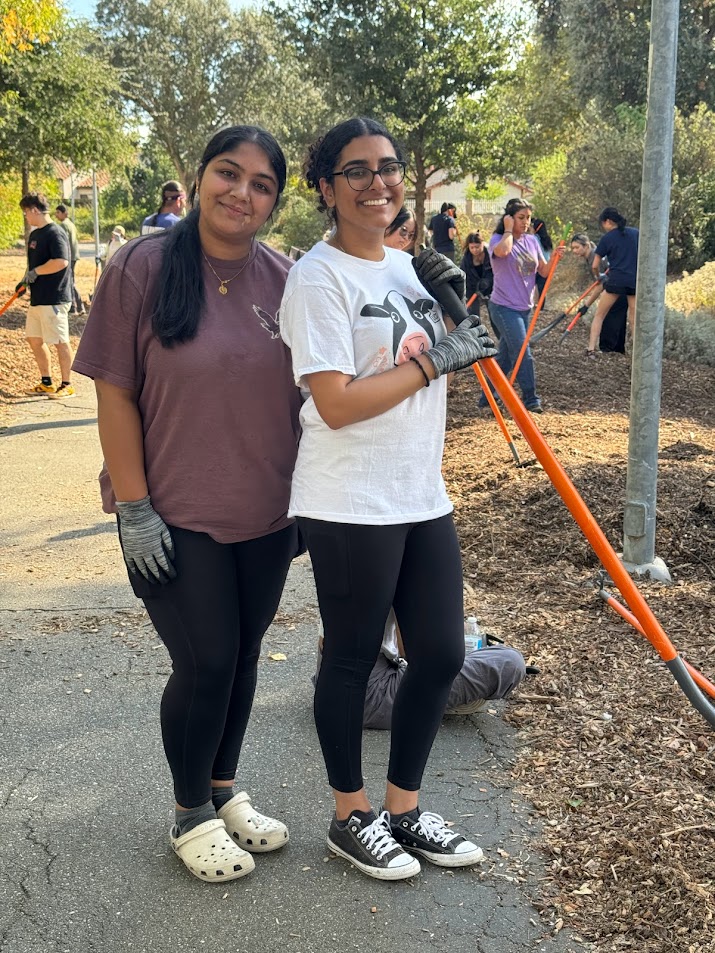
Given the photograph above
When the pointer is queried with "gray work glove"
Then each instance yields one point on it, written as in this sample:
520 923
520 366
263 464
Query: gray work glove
434 269
28 278
469 342
146 541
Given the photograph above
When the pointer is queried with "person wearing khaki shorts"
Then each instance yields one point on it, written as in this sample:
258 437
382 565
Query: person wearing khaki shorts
49 278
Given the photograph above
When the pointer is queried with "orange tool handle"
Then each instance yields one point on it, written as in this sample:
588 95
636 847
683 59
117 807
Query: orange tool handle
700 680
580 512
537 312
492 403
12 298
587 291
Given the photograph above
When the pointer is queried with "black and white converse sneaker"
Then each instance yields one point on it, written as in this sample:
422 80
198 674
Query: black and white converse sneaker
369 845
428 835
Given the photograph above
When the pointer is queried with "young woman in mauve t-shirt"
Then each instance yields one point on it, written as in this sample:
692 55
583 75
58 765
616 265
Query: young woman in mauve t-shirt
198 419
371 351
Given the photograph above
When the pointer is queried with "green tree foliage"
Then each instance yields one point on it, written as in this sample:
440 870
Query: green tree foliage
608 41
427 68
24 23
540 103
299 224
59 100
601 166
193 66
135 189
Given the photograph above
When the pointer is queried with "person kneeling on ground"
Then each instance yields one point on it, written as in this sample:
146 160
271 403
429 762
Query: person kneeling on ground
487 674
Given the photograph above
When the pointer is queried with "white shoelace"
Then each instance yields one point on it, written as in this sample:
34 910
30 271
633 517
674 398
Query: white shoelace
377 837
433 828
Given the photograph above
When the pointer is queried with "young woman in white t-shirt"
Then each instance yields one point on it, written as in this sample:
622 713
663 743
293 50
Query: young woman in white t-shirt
371 353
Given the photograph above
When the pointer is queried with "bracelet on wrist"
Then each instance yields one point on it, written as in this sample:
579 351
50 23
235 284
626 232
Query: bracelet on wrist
423 371
508 233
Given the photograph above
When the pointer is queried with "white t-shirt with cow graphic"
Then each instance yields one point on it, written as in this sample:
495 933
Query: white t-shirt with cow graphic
361 318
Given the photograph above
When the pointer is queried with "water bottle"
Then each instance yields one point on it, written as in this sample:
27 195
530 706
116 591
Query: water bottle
473 638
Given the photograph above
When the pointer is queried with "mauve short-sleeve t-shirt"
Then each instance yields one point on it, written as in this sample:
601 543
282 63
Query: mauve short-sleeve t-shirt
219 412
515 273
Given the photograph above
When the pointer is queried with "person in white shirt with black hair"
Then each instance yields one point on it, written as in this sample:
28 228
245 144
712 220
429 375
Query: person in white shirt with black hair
371 352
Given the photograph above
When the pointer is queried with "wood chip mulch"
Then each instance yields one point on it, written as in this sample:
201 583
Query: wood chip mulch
617 763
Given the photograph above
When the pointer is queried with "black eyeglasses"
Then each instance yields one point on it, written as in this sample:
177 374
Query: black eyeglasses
360 178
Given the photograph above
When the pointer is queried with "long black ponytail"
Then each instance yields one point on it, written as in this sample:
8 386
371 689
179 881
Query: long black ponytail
613 215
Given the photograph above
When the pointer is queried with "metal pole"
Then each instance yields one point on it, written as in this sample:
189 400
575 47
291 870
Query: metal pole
71 168
95 202
641 482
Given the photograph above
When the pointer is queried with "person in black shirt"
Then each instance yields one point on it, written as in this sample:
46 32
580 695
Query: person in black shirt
49 278
538 227
477 266
443 229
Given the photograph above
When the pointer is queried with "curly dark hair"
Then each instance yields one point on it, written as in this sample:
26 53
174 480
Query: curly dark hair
325 152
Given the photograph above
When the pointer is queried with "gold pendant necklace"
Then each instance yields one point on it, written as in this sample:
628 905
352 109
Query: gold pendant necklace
223 282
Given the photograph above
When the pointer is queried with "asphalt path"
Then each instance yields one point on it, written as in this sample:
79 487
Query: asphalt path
85 795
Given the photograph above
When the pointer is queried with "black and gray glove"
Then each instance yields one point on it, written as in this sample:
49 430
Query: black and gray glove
29 277
434 269
146 541
468 343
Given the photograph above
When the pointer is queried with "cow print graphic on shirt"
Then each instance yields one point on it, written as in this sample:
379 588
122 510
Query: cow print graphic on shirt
413 324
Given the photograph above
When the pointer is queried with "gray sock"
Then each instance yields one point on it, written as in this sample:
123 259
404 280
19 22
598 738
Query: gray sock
188 820
221 796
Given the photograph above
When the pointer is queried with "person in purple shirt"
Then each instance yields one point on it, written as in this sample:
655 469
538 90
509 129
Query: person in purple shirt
173 203
198 420
517 257
620 246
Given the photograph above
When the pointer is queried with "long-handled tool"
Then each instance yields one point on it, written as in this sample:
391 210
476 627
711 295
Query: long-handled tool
700 680
537 310
497 413
572 324
586 522
13 297
564 314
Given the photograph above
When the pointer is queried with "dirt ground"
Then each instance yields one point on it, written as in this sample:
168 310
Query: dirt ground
615 760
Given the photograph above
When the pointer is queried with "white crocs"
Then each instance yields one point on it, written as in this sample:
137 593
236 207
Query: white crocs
250 829
210 854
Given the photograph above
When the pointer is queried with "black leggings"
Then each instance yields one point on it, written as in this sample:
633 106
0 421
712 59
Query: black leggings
360 571
212 618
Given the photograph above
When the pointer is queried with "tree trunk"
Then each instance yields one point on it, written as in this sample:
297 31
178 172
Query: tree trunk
25 175
420 193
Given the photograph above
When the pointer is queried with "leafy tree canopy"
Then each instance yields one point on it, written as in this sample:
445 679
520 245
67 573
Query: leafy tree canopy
193 66
607 44
601 165
426 68
26 22
60 100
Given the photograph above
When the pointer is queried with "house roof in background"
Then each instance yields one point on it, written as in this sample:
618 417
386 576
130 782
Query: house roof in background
440 177
83 179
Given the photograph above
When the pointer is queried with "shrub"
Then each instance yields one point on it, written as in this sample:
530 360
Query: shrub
690 338
299 223
694 292
602 165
